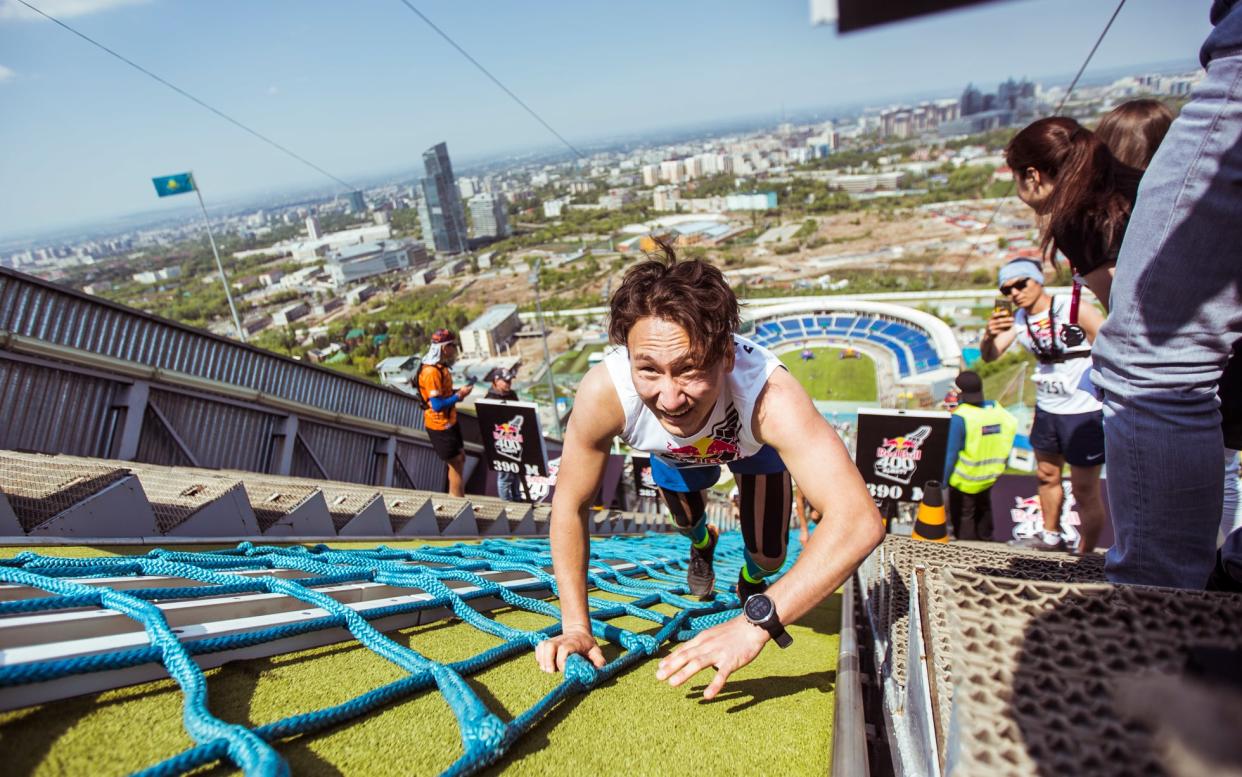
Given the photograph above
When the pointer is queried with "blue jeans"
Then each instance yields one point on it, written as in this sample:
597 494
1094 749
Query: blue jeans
507 487
1176 313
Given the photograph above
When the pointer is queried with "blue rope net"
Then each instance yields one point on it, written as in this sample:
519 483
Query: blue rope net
657 576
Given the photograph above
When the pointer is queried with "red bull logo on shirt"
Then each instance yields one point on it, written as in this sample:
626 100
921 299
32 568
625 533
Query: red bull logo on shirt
720 446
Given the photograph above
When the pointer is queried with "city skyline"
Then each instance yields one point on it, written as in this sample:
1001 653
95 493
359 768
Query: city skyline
106 154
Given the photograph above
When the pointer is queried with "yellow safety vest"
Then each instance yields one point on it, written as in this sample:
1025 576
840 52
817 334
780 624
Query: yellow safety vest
989 438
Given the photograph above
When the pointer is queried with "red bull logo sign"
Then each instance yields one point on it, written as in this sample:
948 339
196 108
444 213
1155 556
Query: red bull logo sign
1028 517
508 438
897 458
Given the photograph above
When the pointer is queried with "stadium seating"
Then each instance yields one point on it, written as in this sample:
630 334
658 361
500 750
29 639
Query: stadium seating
911 346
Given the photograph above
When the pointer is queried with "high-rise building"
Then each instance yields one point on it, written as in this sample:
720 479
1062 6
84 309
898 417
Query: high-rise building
312 227
356 203
972 101
441 212
490 215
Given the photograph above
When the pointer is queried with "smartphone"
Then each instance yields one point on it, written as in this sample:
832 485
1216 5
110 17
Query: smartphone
1003 305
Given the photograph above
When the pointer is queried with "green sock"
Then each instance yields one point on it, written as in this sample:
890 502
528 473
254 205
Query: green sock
752 572
698 534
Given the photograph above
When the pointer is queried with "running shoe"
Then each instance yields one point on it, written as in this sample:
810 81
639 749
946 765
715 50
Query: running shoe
701 577
747 589
1037 543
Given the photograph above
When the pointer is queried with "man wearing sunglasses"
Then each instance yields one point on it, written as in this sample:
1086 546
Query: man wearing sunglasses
1068 426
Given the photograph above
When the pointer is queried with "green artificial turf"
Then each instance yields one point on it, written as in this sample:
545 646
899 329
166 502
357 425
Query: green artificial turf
829 377
774 716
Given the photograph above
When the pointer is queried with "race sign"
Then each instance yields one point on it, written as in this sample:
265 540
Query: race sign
644 484
898 451
512 441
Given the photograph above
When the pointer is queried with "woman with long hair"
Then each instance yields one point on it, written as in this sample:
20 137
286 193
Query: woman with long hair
1133 131
1083 197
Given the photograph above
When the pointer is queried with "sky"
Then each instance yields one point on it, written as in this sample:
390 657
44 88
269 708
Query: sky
361 87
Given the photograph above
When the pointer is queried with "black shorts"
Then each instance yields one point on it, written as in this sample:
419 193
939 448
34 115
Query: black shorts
446 442
1079 437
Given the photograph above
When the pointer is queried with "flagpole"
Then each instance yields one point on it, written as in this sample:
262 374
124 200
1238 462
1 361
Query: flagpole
241 333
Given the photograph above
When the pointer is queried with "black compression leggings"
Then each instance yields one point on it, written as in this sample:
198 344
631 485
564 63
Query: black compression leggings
686 508
765 501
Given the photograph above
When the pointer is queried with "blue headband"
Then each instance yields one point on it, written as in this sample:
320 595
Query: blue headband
1020 268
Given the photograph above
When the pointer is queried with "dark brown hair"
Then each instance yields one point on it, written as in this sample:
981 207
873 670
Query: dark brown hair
692 294
1133 131
1086 199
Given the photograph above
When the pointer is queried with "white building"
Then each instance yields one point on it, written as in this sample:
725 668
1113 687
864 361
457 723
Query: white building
672 170
751 201
490 332
490 215
154 276
317 248
365 260
665 198
552 208
399 372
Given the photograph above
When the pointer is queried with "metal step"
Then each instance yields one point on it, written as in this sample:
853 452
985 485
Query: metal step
53 496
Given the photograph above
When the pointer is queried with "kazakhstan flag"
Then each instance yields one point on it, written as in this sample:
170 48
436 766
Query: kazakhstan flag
168 185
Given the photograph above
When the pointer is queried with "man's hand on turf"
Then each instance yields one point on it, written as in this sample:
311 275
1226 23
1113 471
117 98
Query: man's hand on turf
728 647
553 653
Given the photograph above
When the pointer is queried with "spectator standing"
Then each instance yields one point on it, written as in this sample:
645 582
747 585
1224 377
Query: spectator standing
981 434
1082 195
435 385
1068 426
508 484
1162 355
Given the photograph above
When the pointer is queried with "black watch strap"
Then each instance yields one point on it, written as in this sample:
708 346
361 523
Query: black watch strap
779 635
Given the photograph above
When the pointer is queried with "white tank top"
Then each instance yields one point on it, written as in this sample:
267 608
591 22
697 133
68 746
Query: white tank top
727 436
1058 385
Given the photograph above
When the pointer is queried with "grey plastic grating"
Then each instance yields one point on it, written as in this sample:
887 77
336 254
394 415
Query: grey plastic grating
40 488
273 500
403 506
447 509
176 494
487 513
1039 668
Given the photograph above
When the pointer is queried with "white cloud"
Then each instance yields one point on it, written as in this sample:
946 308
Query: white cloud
273 89
10 10
6 74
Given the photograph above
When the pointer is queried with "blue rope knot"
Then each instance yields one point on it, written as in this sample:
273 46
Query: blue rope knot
580 672
482 740
643 643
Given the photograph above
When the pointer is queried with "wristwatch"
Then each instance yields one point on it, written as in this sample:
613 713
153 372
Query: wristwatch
760 611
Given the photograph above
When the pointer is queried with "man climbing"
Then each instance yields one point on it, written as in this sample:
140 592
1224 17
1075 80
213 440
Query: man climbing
685 388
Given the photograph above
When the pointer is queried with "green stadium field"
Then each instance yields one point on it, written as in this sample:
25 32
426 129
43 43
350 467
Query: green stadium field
774 715
829 377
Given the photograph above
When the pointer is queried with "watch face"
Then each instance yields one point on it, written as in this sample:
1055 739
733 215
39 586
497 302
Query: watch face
758 607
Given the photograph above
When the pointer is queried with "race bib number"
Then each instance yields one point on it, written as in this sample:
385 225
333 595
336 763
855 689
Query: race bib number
1050 385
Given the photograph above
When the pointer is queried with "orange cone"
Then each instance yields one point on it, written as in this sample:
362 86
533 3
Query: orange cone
930 523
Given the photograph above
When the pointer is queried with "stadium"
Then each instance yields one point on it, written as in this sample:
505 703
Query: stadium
220 558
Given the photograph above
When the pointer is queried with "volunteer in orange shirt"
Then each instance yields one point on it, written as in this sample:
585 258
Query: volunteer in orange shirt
435 383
